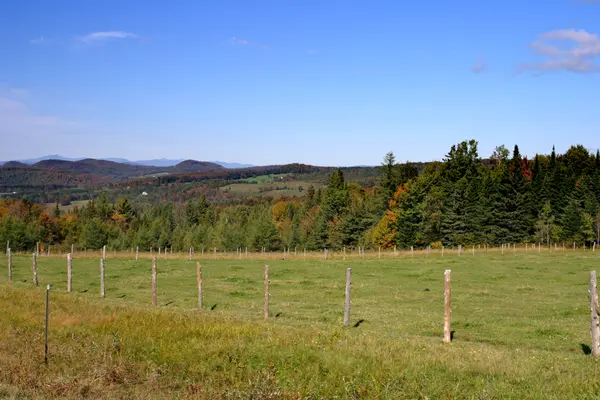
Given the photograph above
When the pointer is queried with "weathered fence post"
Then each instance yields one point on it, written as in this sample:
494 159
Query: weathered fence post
199 282
102 291
137 253
347 302
344 252
104 252
266 310
442 251
37 248
190 254
594 314
215 253
35 279
154 302
379 256
9 256
447 332
412 251
47 315
69 272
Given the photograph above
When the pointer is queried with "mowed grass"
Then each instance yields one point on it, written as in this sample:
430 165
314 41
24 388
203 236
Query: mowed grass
521 325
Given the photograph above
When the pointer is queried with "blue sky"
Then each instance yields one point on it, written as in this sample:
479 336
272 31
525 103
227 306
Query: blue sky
322 82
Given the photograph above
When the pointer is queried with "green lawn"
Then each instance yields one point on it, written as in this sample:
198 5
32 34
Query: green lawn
521 325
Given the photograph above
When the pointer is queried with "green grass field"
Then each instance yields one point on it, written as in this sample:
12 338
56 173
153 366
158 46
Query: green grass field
266 185
521 325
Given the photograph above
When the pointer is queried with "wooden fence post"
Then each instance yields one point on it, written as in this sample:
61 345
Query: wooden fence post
35 278
154 302
102 291
47 315
137 253
594 314
9 256
266 310
104 252
442 251
447 332
379 255
412 251
199 282
69 272
347 302
190 254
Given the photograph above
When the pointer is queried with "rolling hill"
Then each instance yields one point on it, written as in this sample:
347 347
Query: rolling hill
19 173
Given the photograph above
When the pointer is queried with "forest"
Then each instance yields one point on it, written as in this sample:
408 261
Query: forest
461 200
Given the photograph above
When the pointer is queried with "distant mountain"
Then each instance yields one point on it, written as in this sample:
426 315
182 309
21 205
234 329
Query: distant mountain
104 170
160 162
233 165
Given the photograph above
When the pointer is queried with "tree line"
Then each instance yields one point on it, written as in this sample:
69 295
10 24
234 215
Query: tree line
460 200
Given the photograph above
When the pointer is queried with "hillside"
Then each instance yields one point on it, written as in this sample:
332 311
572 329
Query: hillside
103 170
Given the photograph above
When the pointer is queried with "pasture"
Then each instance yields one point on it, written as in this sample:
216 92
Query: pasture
521 325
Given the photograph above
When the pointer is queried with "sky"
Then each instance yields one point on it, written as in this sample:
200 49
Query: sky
322 82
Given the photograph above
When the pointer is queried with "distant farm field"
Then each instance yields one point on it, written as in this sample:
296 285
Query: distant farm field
520 322
272 186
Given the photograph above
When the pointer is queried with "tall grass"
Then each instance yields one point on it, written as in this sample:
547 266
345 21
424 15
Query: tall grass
521 327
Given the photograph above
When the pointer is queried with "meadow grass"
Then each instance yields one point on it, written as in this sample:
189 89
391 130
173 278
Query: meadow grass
521 323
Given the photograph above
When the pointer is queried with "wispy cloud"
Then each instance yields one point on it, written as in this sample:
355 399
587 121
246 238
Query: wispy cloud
479 66
566 50
40 40
234 41
17 117
240 42
108 35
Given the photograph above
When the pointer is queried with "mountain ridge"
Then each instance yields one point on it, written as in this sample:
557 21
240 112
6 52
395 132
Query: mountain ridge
159 162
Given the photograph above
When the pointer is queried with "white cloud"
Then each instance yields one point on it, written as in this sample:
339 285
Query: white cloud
566 50
235 41
239 42
103 36
40 40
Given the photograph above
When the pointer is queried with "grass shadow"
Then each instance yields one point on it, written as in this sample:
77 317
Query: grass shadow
587 350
